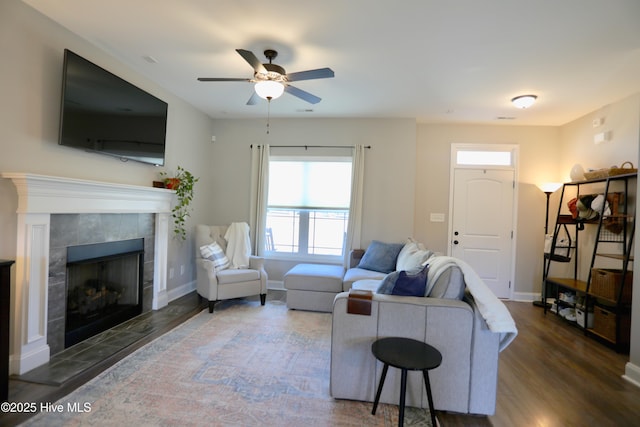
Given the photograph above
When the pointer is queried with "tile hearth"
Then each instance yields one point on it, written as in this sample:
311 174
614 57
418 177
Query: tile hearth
74 360
61 374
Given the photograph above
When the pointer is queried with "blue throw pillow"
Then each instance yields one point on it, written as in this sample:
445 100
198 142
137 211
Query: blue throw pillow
381 256
410 284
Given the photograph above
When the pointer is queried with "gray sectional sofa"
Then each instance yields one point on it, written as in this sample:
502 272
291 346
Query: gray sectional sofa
314 286
460 317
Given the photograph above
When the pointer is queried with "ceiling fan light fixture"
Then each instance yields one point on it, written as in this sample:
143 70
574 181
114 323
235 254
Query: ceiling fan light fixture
269 89
524 101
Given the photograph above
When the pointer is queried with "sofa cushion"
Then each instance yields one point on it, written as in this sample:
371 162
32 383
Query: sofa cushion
237 276
366 285
354 274
449 285
412 256
214 253
381 256
411 284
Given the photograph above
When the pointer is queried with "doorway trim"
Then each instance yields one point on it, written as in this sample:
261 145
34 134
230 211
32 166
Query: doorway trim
514 150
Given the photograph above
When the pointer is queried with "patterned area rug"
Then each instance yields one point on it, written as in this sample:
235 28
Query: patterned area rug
245 365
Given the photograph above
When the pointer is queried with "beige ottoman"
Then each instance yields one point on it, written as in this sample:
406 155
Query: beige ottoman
313 286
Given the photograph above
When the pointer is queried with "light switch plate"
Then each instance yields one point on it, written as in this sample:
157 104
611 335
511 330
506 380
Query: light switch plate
436 217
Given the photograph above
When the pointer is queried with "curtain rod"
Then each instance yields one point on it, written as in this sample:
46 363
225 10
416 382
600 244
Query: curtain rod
310 146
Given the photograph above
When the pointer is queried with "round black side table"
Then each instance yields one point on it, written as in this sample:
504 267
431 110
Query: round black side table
406 354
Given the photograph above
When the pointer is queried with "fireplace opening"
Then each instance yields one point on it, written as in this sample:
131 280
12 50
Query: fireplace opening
104 287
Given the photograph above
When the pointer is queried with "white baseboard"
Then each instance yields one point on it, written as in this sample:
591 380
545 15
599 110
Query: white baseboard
181 291
632 374
525 297
276 285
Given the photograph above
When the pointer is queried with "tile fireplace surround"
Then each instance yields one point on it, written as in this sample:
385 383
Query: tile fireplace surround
41 196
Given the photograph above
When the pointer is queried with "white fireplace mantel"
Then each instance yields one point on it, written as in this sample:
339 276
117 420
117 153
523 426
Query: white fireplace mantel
50 194
39 196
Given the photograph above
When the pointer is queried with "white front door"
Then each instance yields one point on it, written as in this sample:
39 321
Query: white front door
482 224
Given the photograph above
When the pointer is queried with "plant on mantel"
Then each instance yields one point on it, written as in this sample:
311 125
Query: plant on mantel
182 182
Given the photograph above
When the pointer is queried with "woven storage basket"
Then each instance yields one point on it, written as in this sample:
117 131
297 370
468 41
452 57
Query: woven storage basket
622 169
596 174
605 323
606 282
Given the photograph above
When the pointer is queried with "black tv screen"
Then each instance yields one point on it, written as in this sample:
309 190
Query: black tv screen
103 113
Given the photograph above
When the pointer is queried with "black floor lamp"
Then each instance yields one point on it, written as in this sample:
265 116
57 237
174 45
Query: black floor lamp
547 188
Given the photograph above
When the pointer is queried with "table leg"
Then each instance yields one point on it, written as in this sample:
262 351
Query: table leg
382 377
403 393
427 384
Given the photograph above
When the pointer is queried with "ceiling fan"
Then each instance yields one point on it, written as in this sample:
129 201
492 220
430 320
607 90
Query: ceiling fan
272 80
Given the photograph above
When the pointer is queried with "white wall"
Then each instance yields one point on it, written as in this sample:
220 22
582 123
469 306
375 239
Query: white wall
622 120
390 167
31 48
539 153
632 369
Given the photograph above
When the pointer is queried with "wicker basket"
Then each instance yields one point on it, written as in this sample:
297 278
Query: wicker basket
605 323
625 168
597 174
622 169
606 282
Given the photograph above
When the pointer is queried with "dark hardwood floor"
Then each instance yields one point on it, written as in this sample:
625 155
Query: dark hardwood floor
149 326
553 375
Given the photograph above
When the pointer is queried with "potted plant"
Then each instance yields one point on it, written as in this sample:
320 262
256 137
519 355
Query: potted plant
182 183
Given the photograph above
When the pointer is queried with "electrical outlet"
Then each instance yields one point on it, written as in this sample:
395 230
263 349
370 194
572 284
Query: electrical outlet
182 270
171 273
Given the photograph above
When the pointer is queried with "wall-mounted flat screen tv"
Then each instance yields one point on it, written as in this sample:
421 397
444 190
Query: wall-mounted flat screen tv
103 113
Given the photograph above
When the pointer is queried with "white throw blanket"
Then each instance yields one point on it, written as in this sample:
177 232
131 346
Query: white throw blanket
492 310
238 244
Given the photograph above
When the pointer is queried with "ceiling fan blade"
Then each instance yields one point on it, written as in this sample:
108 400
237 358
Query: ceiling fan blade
320 73
252 60
254 99
312 99
222 79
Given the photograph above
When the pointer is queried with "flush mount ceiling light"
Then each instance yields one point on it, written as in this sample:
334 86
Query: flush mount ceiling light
269 89
524 101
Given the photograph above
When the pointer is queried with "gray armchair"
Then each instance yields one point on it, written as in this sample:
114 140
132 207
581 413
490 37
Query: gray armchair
228 283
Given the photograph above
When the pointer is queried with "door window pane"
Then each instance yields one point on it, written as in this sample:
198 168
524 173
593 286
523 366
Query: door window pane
480 158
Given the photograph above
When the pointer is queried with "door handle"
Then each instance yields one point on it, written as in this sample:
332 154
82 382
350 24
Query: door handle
455 242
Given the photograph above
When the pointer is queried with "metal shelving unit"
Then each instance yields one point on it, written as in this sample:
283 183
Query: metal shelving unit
601 305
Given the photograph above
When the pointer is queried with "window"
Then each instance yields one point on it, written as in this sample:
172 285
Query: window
308 206
484 158
494 156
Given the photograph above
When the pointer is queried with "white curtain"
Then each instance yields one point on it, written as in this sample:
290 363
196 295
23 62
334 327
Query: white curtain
354 228
259 194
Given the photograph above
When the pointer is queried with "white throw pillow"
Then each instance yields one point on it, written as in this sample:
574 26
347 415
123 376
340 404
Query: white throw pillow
412 256
214 253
